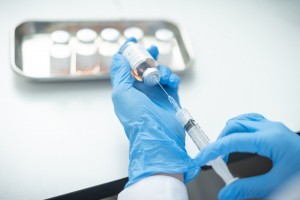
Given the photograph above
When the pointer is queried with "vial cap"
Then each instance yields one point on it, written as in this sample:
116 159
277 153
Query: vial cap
151 76
135 32
86 35
164 35
60 37
110 34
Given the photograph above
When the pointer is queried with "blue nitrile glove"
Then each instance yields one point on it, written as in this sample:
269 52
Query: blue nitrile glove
254 134
157 140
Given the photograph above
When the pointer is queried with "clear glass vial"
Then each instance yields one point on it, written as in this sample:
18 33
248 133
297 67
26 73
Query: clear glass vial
86 50
108 47
165 44
60 52
143 66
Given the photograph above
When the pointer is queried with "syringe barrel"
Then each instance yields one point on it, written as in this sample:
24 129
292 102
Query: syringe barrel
197 135
201 140
192 128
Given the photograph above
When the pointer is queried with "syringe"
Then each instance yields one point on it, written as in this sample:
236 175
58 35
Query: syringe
200 139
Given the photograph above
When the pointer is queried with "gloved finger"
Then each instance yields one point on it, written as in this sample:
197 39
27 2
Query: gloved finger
120 72
249 116
153 50
246 188
174 81
238 142
131 39
168 78
242 123
234 125
165 74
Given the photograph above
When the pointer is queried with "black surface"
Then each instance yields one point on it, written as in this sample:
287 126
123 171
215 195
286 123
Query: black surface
96 192
115 187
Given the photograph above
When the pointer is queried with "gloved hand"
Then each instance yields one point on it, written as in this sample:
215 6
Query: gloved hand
254 134
157 140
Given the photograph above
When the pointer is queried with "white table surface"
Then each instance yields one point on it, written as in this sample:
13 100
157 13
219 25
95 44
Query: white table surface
57 138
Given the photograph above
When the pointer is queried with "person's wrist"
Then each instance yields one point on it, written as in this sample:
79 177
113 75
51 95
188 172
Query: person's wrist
155 148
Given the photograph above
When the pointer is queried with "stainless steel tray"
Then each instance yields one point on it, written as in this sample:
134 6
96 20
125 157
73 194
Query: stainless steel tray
30 45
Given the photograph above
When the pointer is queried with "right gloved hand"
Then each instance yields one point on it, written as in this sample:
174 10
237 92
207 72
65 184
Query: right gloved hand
255 134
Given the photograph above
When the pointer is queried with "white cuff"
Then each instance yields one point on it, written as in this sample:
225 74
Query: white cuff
156 187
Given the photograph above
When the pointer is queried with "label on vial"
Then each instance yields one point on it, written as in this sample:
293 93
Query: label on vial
136 54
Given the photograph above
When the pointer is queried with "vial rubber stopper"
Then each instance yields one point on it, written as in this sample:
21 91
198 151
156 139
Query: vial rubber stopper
164 35
110 34
86 35
135 32
60 37
151 76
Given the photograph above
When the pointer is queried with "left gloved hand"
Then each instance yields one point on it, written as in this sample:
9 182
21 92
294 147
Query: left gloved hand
157 140
254 134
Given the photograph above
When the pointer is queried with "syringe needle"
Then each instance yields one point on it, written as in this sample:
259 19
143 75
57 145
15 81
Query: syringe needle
163 89
174 103
171 99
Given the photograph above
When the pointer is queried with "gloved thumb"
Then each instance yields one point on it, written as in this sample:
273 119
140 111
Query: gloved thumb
245 188
153 50
120 68
120 72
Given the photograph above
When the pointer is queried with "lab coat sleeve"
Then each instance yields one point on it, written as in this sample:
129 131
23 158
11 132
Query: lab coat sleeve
157 187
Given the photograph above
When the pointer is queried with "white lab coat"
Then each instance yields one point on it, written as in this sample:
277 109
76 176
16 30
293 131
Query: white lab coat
158 187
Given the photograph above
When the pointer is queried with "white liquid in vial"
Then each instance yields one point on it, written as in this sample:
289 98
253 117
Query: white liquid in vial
86 50
108 47
60 53
165 43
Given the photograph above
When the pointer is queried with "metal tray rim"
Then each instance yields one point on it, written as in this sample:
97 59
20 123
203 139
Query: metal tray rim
17 70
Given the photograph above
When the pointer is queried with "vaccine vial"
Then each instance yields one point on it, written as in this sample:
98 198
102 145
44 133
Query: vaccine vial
143 66
60 52
165 43
135 32
108 47
86 50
